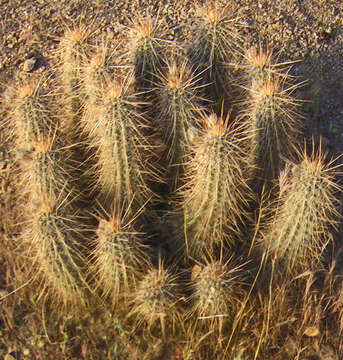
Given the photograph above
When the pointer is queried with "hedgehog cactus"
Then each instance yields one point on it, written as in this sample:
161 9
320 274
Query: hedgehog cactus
46 165
145 44
96 74
157 298
217 289
214 42
274 120
47 173
119 256
58 256
122 149
298 233
260 66
73 51
178 110
32 115
138 120
216 190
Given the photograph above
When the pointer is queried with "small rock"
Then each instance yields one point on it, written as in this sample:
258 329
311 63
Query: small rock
312 331
29 64
110 33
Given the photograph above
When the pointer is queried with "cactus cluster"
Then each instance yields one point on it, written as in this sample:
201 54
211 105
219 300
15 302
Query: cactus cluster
125 136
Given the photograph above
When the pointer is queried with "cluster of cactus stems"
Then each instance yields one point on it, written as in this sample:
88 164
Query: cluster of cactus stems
147 121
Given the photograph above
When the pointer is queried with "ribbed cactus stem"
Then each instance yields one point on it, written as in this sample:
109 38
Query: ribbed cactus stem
118 136
96 77
276 125
216 191
214 42
178 109
299 232
157 299
59 259
215 286
260 65
33 117
47 174
73 52
119 256
145 50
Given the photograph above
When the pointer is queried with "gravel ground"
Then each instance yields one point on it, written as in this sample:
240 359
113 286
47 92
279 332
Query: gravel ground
304 30
308 31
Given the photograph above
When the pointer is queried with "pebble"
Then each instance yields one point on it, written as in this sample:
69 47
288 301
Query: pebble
29 64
